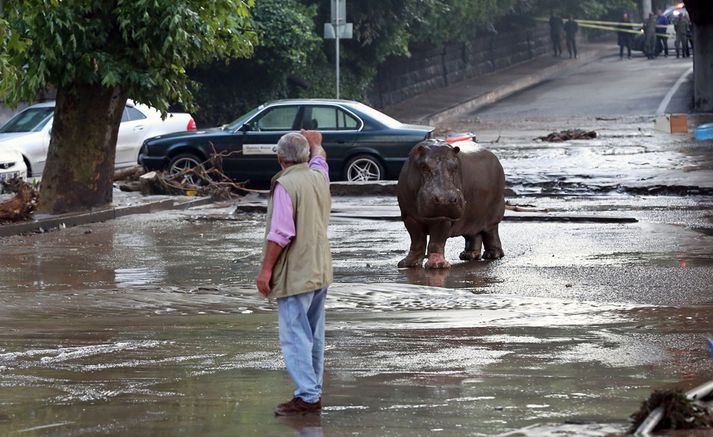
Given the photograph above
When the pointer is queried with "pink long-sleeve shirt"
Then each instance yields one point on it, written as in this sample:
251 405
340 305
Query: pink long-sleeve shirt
282 227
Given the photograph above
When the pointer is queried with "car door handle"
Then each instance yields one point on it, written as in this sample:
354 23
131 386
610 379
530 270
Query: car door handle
138 128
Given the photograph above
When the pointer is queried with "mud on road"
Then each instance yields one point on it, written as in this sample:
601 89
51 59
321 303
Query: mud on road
150 324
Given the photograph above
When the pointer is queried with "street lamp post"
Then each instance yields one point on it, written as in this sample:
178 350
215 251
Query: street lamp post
646 8
338 29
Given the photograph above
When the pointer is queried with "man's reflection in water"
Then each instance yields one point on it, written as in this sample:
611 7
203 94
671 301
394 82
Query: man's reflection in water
304 426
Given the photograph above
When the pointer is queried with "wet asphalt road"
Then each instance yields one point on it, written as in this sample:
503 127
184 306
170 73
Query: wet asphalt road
150 324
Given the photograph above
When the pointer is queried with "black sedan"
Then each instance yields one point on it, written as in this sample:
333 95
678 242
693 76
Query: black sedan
362 144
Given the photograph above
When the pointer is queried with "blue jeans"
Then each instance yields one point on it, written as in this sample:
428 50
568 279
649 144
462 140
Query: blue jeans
302 340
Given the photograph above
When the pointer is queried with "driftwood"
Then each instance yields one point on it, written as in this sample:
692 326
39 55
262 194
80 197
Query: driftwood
523 208
570 134
22 205
206 179
129 174
673 409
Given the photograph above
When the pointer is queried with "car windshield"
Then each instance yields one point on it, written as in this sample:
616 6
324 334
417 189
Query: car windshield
29 120
378 116
242 119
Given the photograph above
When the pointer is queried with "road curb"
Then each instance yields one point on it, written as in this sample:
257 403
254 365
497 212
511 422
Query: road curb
504 91
99 215
375 188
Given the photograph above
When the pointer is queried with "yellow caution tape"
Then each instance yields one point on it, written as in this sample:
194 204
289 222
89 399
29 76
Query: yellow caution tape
616 23
614 29
611 23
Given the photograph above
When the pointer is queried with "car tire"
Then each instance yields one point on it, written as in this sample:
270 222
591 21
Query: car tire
182 162
362 168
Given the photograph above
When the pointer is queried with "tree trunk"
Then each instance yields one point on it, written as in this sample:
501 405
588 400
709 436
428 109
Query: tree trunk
701 14
703 67
646 8
80 161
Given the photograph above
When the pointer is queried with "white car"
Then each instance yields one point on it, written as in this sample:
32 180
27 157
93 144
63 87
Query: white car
29 133
11 165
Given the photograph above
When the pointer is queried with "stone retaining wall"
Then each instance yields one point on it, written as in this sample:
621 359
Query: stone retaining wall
402 77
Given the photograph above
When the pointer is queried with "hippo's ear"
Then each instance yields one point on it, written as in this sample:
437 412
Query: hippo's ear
418 150
456 149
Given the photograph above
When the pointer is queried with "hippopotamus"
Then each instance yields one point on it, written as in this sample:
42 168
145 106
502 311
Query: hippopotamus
449 190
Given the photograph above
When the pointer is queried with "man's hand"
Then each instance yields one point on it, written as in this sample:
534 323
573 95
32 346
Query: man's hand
272 252
263 282
314 139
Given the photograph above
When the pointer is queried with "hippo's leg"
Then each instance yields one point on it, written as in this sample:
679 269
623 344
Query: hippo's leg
491 241
473 244
436 246
417 251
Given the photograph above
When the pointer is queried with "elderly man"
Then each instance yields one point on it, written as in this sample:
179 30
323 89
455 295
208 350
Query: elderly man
297 263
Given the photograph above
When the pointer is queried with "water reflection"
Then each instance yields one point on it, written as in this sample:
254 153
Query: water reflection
73 260
304 426
464 275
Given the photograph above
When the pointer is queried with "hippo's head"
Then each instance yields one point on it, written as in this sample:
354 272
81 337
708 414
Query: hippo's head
440 194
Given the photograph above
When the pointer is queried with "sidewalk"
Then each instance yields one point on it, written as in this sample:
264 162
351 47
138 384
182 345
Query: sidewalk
468 95
123 204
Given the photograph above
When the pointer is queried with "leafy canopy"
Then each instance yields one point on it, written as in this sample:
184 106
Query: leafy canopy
140 46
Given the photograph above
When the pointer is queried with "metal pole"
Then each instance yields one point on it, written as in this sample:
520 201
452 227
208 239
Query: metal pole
336 39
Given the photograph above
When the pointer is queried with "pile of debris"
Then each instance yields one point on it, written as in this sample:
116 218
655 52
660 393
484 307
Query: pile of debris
205 179
21 206
674 409
569 134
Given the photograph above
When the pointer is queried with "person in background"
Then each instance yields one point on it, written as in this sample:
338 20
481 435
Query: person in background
689 36
624 37
556 34
661 37
297 263
650 37
681 43
570 30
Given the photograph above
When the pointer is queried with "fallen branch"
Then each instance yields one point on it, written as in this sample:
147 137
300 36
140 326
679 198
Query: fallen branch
566 135
205 179
129 174
22 205
670 409
523 208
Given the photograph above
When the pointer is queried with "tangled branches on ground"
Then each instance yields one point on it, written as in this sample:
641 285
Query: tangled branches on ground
22 205
679 411
206 179
569 134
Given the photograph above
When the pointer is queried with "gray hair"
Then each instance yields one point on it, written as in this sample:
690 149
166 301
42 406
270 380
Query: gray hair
293 147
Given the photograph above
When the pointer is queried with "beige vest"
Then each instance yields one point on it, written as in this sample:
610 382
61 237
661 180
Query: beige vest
306 263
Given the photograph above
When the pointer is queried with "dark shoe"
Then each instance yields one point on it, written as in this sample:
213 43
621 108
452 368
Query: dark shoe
298 407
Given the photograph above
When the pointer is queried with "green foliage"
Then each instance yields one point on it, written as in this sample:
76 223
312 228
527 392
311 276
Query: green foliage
140 46
286 31
289 46
588 9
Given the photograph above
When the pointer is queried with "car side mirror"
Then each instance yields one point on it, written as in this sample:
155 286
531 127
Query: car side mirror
247 127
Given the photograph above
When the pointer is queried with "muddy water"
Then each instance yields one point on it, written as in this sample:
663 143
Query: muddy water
150 325
626 157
